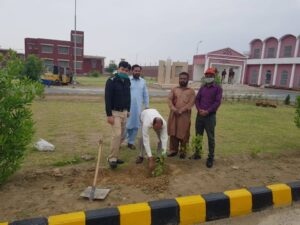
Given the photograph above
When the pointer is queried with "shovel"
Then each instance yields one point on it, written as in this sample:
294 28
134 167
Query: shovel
92 192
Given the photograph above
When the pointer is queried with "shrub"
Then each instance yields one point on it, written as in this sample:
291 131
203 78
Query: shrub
33 68
94 74
16 124
197 143
287 100
297 116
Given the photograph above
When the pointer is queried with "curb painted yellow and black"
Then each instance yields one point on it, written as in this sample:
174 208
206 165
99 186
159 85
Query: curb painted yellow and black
182 210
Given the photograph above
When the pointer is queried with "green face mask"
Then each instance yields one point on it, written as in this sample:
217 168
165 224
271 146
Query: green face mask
208 80
122 75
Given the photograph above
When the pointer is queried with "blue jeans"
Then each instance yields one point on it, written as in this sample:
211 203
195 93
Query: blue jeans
131 135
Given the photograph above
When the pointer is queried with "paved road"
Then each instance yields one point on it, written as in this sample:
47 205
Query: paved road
279 216
265 92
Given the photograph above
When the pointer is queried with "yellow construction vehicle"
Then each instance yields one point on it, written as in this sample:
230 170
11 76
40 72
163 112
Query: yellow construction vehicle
58 76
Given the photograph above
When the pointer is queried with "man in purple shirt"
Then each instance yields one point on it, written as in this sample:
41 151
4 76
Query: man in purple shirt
207 103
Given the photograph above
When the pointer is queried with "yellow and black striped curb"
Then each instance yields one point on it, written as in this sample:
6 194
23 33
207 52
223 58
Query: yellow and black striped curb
182 210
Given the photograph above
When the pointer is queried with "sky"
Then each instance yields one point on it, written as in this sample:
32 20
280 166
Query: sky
145 32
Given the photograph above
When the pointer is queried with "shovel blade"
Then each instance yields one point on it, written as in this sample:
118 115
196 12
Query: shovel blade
100 193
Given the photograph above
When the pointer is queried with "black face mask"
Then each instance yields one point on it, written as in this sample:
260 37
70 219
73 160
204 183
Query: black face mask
183 84
136 76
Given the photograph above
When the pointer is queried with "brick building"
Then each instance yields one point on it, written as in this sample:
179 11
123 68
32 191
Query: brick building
61 53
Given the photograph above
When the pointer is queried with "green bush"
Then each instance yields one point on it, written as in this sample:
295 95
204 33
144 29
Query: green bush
287 100
297 116
94 74
33 68
16 124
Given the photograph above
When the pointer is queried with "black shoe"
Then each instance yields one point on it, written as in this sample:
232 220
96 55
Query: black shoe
120 161
182 155
209 162
195 156
172 154
131 146
113 164
139 160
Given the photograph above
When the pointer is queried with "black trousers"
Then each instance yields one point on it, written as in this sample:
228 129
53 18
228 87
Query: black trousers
207 123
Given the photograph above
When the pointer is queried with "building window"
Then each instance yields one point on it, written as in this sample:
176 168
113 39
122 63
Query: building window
79 65
48 64
47 49
287 51
63 63
284 77
253 77
94 63
271 53
63 50
79 51
256 53
268 77
79 38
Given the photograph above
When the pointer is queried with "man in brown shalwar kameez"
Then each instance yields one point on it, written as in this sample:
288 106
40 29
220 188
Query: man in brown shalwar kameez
181 100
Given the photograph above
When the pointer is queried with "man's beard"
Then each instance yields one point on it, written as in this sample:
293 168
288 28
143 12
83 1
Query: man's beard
183 84
136 76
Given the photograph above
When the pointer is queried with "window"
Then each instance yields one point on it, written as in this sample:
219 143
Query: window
299 81
63 63
78 65
284 77
271 53
268 77
48 64
78 38
256 53
94 64
63 50
287 51
79 51
253 77
47 49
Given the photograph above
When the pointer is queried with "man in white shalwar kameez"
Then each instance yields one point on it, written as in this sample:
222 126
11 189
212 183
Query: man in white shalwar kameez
151 119
139 97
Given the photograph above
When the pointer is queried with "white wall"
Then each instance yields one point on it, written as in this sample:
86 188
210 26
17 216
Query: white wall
198 72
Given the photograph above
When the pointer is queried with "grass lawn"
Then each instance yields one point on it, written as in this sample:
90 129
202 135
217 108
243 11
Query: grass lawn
100 81
74 125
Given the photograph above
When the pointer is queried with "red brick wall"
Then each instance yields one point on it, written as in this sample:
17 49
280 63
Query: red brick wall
93 64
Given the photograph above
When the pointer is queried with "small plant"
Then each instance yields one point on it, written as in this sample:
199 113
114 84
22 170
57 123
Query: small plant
160 166
287 100
73 161
196 144
254 153
297 116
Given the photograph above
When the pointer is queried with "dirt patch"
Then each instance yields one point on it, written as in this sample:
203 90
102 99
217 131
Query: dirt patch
34 193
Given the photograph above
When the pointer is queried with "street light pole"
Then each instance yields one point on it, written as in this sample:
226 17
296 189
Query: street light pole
198 43
75 45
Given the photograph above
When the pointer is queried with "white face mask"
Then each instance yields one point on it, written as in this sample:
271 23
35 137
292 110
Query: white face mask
208 80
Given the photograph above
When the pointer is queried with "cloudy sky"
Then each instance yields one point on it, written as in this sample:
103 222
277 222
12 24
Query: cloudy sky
145 31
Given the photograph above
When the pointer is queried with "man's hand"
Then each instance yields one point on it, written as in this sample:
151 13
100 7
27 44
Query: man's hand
151 163
203 112
175 111
111 120
180 111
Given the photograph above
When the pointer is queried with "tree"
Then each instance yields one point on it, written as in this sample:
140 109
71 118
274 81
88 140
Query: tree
16 124
297 116
33 68
111 67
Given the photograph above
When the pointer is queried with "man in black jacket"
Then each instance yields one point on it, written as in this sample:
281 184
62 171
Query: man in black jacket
117 105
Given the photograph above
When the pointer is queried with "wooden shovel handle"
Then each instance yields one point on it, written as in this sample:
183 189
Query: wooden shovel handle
98 162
